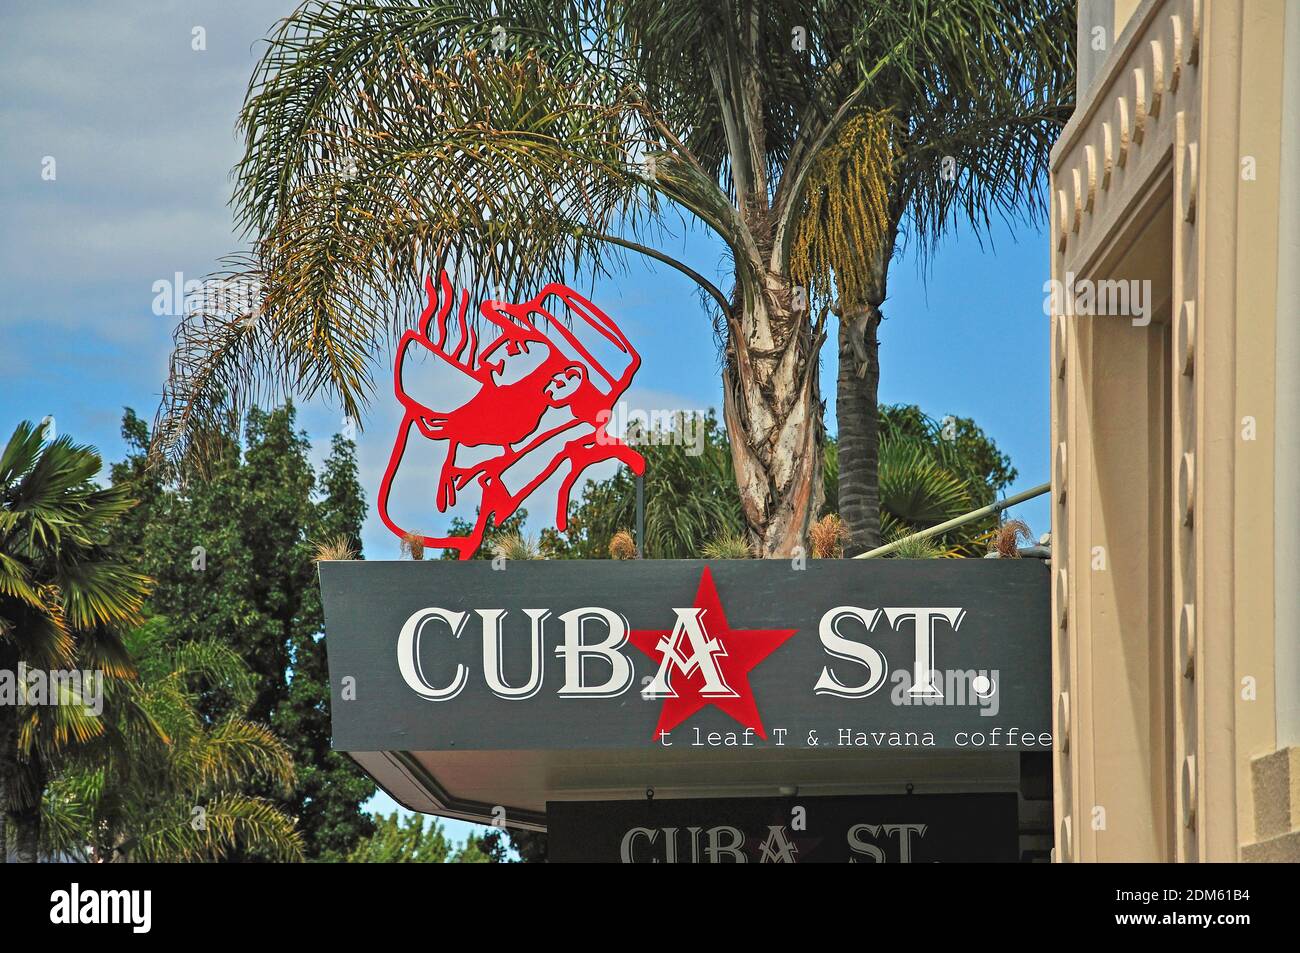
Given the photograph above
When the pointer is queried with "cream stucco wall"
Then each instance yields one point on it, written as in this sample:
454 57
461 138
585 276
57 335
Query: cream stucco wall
1167 460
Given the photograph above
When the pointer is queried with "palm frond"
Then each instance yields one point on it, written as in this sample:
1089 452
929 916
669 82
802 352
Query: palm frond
386 141
158 782
185 832
234 749
65 820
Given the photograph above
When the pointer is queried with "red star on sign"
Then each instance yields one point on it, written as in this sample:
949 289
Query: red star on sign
733 653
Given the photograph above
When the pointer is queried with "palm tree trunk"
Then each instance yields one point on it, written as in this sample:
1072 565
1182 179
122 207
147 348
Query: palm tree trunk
858 421
20 817
25 814
8 767
26 824
772 407
857 411
8 754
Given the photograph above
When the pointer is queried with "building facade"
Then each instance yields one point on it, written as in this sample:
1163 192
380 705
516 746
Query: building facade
1175 322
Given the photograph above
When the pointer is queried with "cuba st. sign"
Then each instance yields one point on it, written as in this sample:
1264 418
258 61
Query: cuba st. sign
683 653
700 661
869 829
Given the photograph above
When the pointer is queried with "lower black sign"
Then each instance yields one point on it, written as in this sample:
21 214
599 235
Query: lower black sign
908 828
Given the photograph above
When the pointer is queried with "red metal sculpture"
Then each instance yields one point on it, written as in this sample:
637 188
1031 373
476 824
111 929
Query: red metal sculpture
542 401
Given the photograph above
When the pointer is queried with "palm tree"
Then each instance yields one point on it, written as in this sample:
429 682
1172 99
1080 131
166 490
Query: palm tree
957 135
64 598
916 490
527 143
163 784
927 477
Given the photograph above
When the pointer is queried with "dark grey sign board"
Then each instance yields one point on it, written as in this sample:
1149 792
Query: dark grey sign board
873 655
877 829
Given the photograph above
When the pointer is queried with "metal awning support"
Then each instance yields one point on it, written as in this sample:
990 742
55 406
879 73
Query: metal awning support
983 511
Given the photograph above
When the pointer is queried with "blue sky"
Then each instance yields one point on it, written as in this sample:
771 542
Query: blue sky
141 129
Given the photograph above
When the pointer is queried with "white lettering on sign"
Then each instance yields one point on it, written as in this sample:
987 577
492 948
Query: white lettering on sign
904 833
494 619
923 621
574 651
408 653
687 650
870 843
837 646
703 649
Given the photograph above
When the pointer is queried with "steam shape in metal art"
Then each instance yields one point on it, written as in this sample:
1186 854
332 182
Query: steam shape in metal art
542 403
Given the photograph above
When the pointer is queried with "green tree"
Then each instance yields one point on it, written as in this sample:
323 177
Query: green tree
544 139
690 498
959 442
513 526
420 840
65 597
530 846
165 784
931 471
232 550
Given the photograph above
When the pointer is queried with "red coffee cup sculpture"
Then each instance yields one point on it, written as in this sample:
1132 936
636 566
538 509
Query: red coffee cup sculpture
540 404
